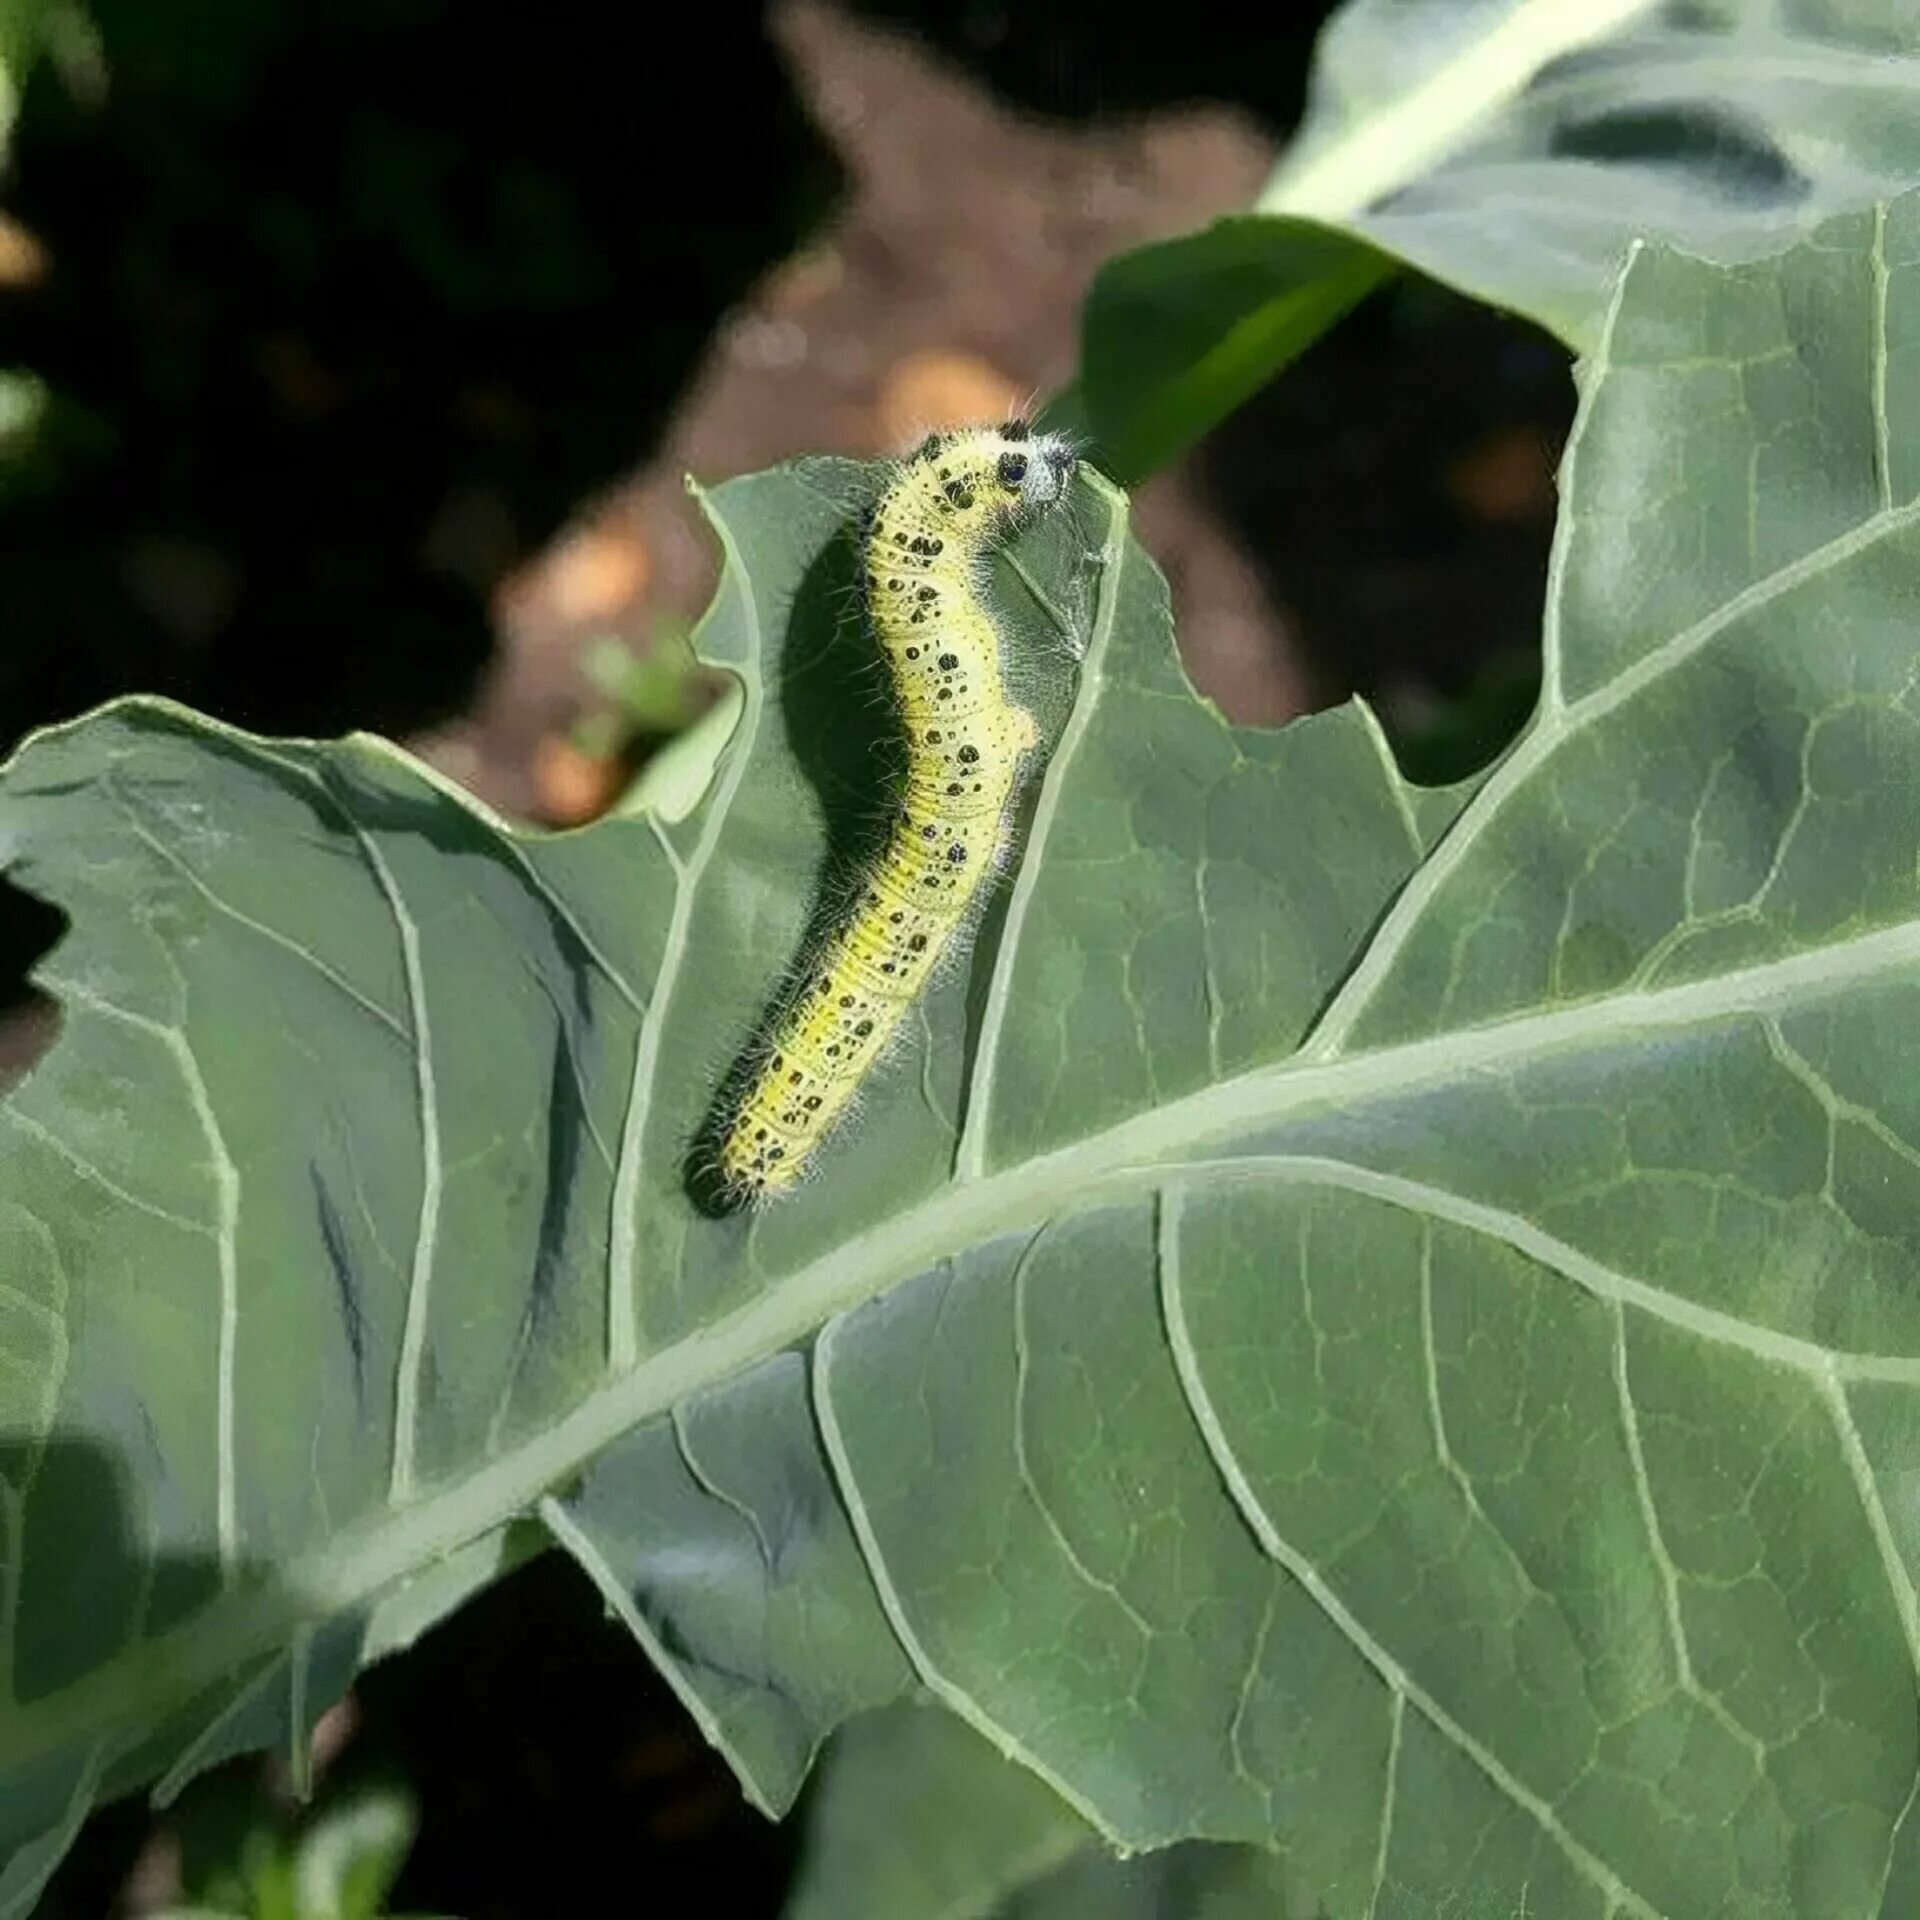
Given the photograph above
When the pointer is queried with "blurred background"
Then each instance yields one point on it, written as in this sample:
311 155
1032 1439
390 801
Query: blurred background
352 356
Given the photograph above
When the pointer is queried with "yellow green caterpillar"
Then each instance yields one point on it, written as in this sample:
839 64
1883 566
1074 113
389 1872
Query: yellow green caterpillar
923 567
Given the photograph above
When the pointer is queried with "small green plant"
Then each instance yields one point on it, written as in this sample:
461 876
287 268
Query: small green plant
339 1863
645 699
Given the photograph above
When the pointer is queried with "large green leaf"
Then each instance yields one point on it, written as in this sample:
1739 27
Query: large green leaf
917 1818
1513 149
916 1815
1369 1325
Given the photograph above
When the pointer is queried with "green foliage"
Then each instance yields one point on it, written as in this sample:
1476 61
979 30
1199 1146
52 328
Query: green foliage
1512 149
646 698
1178 335
1372 1327
33 30
244 1860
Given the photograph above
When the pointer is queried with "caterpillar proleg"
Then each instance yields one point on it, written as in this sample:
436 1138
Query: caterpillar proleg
923 570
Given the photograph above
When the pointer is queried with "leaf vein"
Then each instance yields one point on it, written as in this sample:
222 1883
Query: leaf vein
584 1551
1240 1486
181 865
1663 1561
1591 1275
937 1681
1022 1377
87 1170
1853 1450
623 1334
413 1337
1388 1796
970 1156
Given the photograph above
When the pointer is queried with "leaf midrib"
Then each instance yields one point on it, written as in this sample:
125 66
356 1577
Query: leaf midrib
362 1560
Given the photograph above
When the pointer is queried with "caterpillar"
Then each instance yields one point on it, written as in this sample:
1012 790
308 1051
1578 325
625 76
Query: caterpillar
923 563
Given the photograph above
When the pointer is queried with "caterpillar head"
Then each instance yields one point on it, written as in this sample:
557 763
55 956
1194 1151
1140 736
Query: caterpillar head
1033 469
1010 470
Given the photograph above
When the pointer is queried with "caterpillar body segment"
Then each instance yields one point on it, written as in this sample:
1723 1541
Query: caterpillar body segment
923 568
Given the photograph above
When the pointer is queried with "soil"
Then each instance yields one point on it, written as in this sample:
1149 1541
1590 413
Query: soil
946 289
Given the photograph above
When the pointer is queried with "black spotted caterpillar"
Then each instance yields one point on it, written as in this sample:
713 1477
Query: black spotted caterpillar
923 566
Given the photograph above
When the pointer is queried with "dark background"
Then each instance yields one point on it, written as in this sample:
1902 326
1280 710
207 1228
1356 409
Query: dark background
323 272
